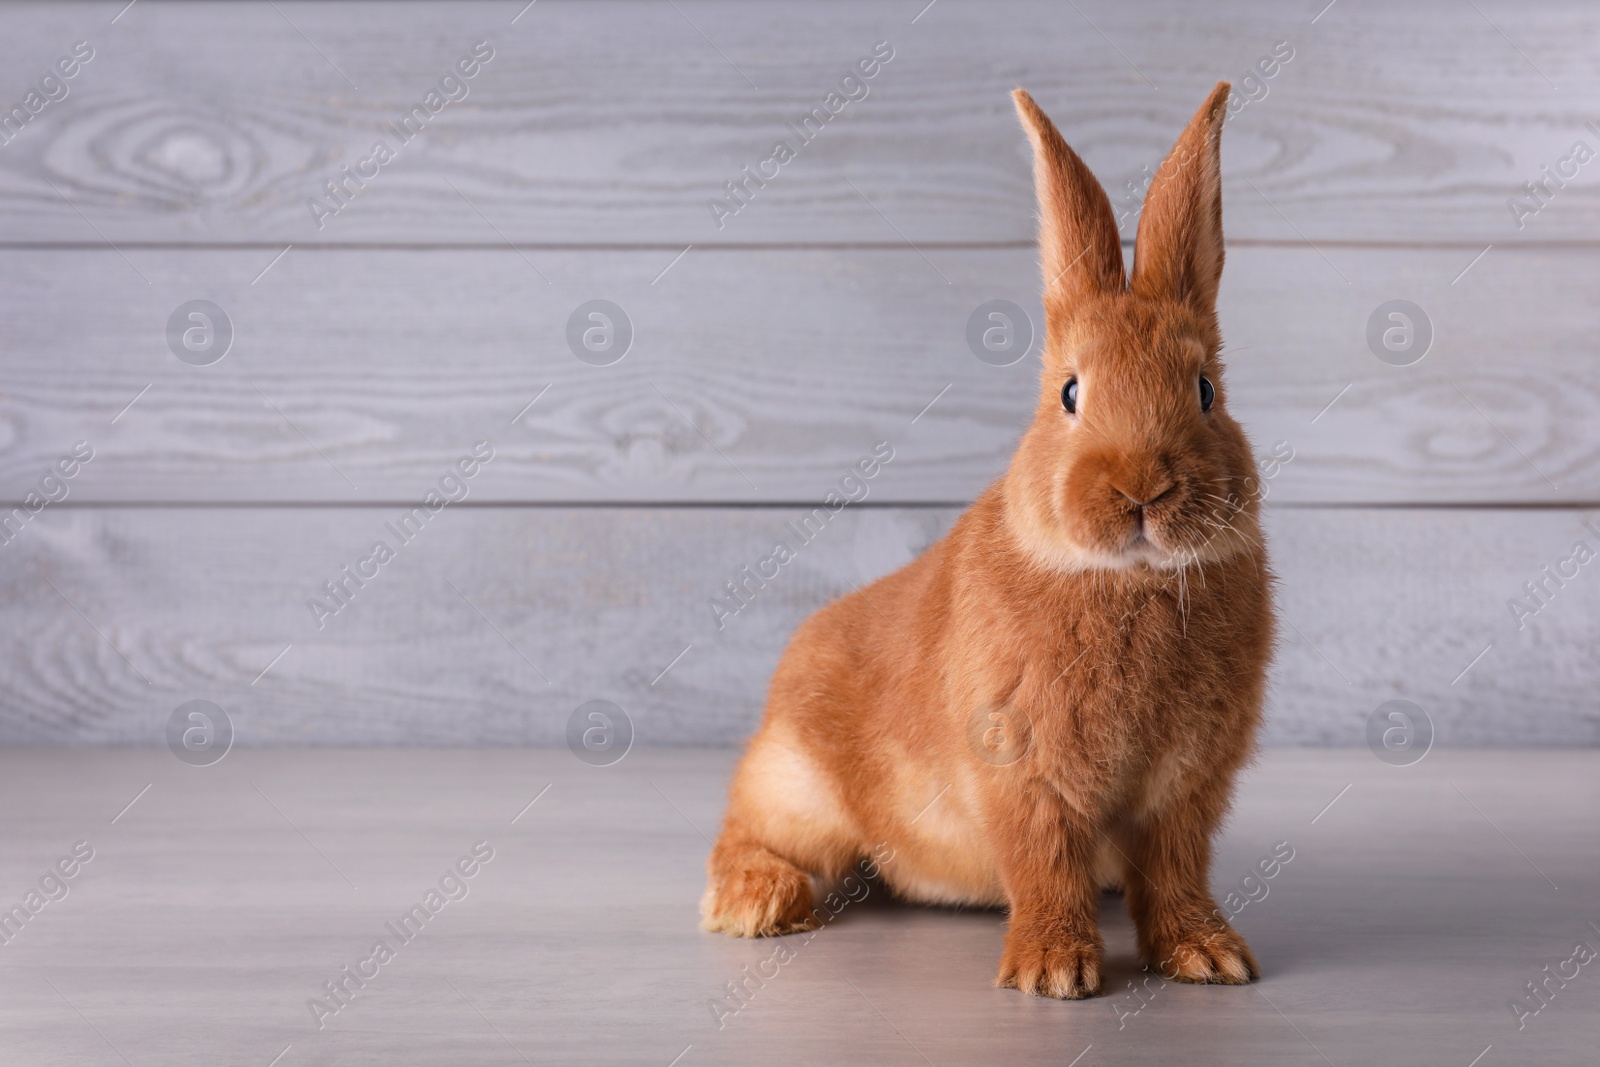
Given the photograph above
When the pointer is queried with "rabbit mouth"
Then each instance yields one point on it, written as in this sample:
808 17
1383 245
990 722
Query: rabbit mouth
1099 528
1153 521
1145 546
1141 536
1164 532
1189 533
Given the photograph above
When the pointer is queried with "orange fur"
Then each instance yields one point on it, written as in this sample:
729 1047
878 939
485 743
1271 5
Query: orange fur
1109 594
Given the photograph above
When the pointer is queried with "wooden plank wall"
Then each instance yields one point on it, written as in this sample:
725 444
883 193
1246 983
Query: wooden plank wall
772 347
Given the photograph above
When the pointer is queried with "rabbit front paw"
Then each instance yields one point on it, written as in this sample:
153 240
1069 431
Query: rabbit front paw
1050 965
1210 954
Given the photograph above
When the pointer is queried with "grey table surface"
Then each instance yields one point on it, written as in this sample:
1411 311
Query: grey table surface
1418 904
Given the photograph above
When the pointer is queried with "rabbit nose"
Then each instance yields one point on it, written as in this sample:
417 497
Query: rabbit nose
1150 499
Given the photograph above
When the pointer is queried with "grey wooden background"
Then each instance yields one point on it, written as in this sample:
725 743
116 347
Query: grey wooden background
769 354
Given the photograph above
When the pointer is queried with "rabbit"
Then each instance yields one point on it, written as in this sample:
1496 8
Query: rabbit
1057 696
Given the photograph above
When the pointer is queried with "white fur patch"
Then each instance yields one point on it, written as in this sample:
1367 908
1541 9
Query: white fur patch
946 857
792 798
1161 784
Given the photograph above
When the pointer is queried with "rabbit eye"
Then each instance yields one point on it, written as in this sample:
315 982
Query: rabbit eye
1069 396
1208 393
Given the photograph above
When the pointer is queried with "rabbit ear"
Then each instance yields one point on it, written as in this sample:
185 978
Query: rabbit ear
1178 254
1078 245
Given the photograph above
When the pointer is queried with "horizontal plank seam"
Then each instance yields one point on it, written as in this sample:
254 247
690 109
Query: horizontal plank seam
741 246
776 505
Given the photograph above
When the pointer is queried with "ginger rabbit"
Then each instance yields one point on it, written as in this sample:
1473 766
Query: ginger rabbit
1058 695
